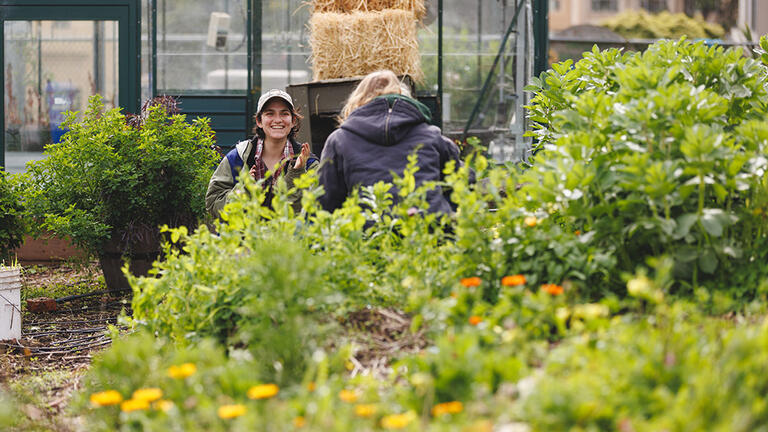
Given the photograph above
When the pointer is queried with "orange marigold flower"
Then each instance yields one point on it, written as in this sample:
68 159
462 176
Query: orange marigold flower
231 411
348 395
552 289
475 320
134 405
453 407
182 371
471 281
311 386
263 391
397 421
530 221
299 422
365 410
148 394
106 398
577 232
513 280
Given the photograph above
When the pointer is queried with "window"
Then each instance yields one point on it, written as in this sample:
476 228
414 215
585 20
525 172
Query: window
605 5
654 5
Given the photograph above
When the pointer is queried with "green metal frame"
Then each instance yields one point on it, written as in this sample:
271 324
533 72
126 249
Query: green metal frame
253 55
126 12
510 29
540 36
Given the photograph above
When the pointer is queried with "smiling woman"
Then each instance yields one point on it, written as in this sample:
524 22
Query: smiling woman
273 152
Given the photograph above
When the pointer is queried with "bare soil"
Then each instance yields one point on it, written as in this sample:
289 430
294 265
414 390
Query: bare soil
43 368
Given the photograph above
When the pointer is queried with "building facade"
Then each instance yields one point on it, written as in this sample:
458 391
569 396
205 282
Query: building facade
754 13
567 13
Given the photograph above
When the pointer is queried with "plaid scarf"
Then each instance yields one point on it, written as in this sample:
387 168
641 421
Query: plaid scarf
280 167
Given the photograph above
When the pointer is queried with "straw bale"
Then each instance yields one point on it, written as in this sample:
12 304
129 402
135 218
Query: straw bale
347 6
353 44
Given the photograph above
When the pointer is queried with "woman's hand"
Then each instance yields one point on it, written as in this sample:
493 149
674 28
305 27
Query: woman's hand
301 161
252 171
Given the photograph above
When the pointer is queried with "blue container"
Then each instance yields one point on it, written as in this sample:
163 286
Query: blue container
61 98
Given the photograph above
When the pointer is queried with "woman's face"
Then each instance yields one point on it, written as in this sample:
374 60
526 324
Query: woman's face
276 120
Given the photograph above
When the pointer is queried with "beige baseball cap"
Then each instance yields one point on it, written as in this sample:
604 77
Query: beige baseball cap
274 93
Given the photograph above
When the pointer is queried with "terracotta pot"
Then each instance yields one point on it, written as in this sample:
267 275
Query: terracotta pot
47 248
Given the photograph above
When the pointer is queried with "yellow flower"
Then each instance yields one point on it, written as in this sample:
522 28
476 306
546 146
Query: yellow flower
182 371
454 407
148 394
164 405
397 421
365 410
231 411
299 422
134 405
531 221
311 386
105 398
471 281
483 426
513 280
348 395
263 391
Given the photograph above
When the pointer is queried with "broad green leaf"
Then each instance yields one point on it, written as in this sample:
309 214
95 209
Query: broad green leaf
708 261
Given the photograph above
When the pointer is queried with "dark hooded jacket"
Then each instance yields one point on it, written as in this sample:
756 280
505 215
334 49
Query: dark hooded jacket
375 141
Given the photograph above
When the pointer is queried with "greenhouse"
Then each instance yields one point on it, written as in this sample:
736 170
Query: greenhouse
377 215
217 56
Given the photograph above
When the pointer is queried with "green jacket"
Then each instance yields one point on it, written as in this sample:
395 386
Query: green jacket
223 186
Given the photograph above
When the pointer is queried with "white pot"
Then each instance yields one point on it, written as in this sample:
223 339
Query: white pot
10 303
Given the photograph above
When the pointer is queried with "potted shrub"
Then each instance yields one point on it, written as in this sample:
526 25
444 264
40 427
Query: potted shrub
114 179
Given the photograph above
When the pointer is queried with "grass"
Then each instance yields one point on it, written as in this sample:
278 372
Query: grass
37 398
65 280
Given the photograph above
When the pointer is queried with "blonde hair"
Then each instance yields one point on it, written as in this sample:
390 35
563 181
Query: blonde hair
374 84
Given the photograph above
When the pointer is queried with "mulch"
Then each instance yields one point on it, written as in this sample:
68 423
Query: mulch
66 338
380 335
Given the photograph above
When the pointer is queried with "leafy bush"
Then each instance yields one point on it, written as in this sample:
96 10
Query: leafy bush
656 153
12 219
674 371
256 290
111 175
639 24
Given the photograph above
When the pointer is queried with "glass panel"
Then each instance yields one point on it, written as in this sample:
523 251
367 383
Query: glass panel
472 34
146 50
285 43
187 59
52 67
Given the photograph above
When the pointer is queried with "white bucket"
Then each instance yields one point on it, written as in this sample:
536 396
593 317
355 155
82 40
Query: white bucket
10 303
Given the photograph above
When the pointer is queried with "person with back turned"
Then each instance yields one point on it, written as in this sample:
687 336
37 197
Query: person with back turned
381 126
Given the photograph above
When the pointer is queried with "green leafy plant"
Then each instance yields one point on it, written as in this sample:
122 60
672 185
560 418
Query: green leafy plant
656 153
13 224
639 24
116 179
673 370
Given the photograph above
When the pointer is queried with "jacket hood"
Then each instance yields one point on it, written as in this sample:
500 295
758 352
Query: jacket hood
241 147
386 119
